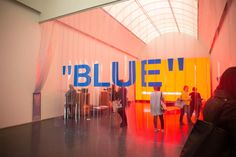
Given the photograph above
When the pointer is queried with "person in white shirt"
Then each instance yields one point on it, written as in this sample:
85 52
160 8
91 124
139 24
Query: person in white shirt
155 105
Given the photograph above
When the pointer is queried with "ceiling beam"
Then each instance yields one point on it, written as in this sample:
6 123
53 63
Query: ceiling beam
52 9
148 17
174 16
221 22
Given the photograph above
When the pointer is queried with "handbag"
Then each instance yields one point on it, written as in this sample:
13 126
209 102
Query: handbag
163 106
179 103
116 105
207 140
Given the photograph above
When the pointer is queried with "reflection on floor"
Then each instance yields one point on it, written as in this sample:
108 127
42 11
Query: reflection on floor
98 136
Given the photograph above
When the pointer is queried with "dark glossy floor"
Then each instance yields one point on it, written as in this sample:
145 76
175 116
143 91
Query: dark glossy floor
100 136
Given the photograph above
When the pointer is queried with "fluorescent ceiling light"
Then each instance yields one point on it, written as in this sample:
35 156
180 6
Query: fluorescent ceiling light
164 93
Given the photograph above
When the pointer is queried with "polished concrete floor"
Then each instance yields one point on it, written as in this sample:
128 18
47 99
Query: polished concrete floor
97 136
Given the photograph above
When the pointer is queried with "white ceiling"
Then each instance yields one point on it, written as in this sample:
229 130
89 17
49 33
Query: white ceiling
51 9
149 19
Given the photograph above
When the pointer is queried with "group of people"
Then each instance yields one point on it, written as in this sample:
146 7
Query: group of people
223 101
219 110
191 102
120 95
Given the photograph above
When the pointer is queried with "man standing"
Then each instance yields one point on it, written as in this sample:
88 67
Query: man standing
71 100
196 103
122 96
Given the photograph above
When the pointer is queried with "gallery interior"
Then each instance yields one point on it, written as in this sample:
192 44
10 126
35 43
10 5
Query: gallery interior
95 45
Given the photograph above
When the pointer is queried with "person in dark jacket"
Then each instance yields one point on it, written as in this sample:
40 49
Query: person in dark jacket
122 96
113 93
71 95
224 102
195 103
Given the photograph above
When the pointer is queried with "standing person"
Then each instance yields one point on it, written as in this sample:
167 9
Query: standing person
114 98
122 96
113 92
155 105
195 103
221 108
186 108
71 95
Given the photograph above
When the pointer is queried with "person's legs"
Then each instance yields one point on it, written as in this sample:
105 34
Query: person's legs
191 109
155 121
162 121
123 117
188 113
181 114
197 110
70 110
73 110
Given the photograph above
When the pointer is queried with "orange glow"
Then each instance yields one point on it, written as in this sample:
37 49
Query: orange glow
140 122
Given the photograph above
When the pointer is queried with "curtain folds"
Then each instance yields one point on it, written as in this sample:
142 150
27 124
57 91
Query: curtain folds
43 65
45 55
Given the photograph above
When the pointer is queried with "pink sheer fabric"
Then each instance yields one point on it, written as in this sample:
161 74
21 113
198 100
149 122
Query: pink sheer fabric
89 38
45 55
43 65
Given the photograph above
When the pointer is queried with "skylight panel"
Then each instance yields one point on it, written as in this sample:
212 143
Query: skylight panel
132 16
145 30
148 38
148 19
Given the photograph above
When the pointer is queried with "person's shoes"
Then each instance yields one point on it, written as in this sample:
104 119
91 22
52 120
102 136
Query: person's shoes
156 130
162 130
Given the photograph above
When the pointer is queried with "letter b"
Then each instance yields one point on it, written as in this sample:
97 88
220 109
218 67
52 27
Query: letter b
85 75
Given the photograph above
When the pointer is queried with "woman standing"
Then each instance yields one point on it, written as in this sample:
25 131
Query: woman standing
186 108
155 102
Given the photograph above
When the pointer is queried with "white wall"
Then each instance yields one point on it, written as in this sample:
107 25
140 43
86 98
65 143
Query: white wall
209 17
19 38
223 54
174 45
